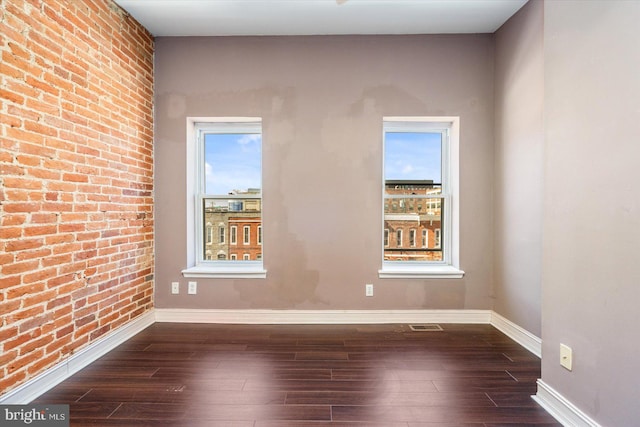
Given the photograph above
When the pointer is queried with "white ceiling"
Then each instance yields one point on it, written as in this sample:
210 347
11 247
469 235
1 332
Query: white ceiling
318 17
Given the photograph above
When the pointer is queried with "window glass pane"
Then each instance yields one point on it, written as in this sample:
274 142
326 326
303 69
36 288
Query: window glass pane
232 162
413 159
230 221
401 222
412 186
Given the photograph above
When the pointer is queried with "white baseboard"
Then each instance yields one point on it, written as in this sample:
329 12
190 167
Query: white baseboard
560 408
321 316
63 370
517 333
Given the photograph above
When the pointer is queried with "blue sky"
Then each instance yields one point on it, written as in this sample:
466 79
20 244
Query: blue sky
232 162
412 155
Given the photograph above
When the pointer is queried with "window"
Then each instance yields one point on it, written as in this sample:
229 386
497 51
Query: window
221 233
247 235
209 234
420 169
259 235
225 155
234 235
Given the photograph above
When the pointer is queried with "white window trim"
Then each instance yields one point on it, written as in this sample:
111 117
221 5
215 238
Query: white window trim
449 268
217 269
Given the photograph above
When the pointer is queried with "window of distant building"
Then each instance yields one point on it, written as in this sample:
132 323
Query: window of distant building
225 155
233 232
209 233
246 235
222 232
420 170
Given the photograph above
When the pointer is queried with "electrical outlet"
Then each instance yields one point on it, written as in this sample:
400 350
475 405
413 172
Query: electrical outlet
566 356
368 290
193 288
175 288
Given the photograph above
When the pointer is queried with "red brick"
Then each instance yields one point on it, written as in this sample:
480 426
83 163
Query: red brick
24 360
77 133
9 281
40 230
27 160
36 321
42 364
20 291
10 381
39 275
10 233
41 253
21 245
20 339
11 96
56 346
40 342
20 267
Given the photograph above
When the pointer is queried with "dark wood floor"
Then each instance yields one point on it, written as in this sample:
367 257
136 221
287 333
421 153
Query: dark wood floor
308 375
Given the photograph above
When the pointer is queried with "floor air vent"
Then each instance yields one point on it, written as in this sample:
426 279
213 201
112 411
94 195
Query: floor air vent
426 328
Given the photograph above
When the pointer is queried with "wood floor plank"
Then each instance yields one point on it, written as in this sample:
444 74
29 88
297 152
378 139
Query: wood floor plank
307 376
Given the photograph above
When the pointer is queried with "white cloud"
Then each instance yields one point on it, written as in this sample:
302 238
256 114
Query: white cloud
249 138
407 169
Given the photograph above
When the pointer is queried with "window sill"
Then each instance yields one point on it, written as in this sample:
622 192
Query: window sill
420 272
212 272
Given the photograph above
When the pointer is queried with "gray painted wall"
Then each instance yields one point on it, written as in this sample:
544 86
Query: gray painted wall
322 100
591 238
519 141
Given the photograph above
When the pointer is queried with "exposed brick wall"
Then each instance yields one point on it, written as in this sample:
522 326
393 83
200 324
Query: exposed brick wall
76 181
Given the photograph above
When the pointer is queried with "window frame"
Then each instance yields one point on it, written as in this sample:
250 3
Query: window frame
197 265
449 267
